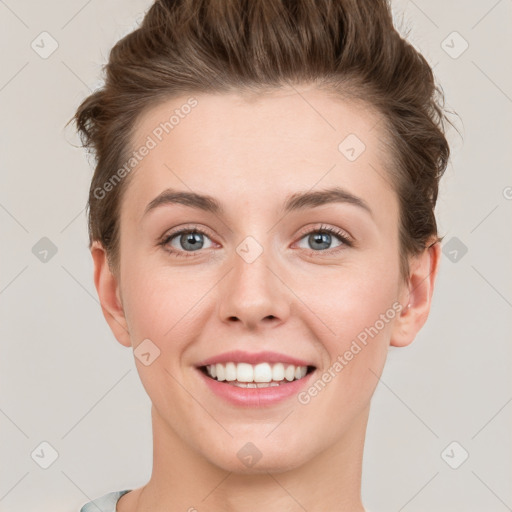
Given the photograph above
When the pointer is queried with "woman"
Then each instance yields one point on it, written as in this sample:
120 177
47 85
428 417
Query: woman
262 227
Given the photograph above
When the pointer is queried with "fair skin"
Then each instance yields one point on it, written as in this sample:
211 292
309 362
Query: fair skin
251 154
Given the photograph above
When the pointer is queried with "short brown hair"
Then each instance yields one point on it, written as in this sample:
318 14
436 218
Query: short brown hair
349 47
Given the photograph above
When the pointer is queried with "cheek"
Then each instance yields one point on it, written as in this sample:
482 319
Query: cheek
162 307
359 314
354 313
161 304
353 297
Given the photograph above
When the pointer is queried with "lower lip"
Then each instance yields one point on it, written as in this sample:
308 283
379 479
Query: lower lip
255 397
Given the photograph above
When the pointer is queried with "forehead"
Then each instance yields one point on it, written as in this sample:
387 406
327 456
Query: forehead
248 147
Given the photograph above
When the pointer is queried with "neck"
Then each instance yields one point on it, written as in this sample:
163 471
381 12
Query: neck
184 480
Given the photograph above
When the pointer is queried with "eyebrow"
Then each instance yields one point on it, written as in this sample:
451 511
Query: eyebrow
297 201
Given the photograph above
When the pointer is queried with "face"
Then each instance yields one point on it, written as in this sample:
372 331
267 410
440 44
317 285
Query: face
314 279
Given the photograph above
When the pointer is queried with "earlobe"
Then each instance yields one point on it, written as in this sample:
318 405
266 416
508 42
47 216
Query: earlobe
417 297
109 295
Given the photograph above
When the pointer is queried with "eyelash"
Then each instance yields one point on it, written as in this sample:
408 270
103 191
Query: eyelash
194 230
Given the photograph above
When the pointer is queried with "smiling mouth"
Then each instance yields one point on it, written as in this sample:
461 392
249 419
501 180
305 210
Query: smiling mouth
262 375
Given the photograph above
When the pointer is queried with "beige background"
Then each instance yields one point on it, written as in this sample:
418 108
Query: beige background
65 381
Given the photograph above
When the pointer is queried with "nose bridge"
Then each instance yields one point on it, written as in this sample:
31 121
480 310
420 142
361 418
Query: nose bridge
252 293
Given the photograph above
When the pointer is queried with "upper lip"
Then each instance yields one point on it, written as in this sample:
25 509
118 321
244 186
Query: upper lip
239 356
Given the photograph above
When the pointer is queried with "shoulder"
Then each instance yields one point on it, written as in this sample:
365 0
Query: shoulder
105 503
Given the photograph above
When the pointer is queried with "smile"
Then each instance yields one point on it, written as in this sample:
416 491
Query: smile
259 385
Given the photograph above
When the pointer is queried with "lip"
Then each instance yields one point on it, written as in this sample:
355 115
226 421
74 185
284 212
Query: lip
255 397
239 356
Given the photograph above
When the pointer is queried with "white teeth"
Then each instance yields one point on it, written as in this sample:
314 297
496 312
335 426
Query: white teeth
244 372
230 373
300 372
289 373
260 375
221 372
254 385
278 371
262 372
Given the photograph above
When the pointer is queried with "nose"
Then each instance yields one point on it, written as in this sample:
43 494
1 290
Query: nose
254 293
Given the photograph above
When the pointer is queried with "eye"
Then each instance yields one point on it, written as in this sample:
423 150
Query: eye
321 238
187 240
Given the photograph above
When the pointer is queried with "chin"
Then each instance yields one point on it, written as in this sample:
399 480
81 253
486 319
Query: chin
257 457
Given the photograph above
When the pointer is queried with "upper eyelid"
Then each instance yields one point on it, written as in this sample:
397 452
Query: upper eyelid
339 232
186 229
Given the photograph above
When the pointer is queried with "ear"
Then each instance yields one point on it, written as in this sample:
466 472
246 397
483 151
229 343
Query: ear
107 287
417 295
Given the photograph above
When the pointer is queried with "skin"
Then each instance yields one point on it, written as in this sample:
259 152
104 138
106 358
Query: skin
251 153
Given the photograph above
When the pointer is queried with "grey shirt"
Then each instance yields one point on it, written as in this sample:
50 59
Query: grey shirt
106 503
